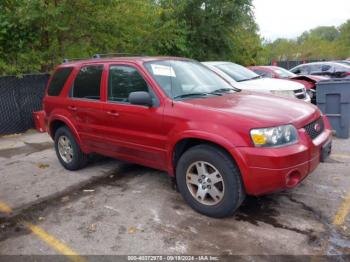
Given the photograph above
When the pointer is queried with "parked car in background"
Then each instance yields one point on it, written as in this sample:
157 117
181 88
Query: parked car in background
329 69
245 79
309 81
176 115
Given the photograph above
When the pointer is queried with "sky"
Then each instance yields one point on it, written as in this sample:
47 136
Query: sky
290 18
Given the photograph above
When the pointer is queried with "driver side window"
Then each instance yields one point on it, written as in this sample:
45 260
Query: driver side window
123 80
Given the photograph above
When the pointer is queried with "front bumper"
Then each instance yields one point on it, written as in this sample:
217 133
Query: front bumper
267 170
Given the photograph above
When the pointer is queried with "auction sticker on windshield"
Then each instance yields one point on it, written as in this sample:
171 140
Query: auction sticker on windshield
162 70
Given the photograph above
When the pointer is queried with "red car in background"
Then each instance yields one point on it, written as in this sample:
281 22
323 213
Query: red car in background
309 81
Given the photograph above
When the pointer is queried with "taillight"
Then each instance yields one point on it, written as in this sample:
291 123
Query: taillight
347 73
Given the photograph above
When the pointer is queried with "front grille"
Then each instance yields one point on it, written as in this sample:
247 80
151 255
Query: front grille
300 93
315 128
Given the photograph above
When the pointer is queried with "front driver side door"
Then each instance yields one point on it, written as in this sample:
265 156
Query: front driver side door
133 132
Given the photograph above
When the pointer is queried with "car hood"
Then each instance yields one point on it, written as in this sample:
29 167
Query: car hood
267 84
262 110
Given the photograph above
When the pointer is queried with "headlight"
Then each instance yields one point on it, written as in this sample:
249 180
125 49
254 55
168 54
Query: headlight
274 136
284 93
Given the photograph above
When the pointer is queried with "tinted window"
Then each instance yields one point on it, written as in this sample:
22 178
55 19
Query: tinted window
326 68
58 80
123 80
87 83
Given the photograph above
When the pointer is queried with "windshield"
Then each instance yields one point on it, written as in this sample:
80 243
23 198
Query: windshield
180 79
284 73
237 72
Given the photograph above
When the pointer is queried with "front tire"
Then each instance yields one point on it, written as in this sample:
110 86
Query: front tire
209 181
68 150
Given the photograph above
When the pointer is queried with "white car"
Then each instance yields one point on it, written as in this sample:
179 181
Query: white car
245 79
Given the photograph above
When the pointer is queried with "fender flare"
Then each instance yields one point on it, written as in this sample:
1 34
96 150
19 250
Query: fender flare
68 123
210 137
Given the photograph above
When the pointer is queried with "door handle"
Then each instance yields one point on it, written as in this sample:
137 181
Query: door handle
113 113
72 108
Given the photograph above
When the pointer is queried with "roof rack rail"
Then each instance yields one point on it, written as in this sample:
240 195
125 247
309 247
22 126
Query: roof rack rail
67 60
97 56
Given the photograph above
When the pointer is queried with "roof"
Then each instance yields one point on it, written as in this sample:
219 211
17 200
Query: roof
118 59
321 63
215 63
264 67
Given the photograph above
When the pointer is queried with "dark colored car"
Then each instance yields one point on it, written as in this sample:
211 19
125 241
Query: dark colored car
328 69
176 115
309 81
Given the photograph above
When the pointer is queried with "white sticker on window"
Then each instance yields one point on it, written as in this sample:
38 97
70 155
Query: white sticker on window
162 70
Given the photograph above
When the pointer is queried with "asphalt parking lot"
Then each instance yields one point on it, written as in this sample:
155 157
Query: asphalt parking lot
113 207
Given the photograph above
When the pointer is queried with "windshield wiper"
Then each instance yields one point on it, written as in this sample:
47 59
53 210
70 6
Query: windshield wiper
223 90
247 79
255 77
190 95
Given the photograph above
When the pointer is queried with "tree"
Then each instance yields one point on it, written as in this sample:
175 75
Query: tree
343 42
35 35
320 43
217 29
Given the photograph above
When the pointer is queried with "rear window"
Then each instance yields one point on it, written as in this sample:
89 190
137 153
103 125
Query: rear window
87 83
58 80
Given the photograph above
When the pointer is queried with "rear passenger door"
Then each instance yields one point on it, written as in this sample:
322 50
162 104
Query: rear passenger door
85 105
133 132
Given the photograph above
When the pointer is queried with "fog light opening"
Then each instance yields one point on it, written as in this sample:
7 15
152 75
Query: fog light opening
293 179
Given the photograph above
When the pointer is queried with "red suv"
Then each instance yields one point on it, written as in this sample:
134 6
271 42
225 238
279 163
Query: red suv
175 115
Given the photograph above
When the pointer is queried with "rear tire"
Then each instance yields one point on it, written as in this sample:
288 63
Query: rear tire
68 151
209 181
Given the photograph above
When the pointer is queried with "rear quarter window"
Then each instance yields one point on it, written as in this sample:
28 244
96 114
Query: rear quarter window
58 80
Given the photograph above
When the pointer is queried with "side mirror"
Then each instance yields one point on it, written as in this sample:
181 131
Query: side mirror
140 98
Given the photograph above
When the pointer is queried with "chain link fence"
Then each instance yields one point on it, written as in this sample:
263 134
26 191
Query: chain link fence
19 98
293 63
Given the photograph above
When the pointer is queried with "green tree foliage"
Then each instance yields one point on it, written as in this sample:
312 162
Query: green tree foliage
344 40
217 29
35 35
325 42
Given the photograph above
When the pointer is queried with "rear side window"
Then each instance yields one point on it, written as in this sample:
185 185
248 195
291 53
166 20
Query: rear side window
87 82
326 68
58 80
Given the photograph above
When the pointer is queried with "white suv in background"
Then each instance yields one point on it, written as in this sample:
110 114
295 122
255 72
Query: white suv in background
245 79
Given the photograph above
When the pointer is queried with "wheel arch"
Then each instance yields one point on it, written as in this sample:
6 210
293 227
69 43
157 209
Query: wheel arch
59 121
186 142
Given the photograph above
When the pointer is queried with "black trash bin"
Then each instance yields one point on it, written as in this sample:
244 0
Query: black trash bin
333 99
